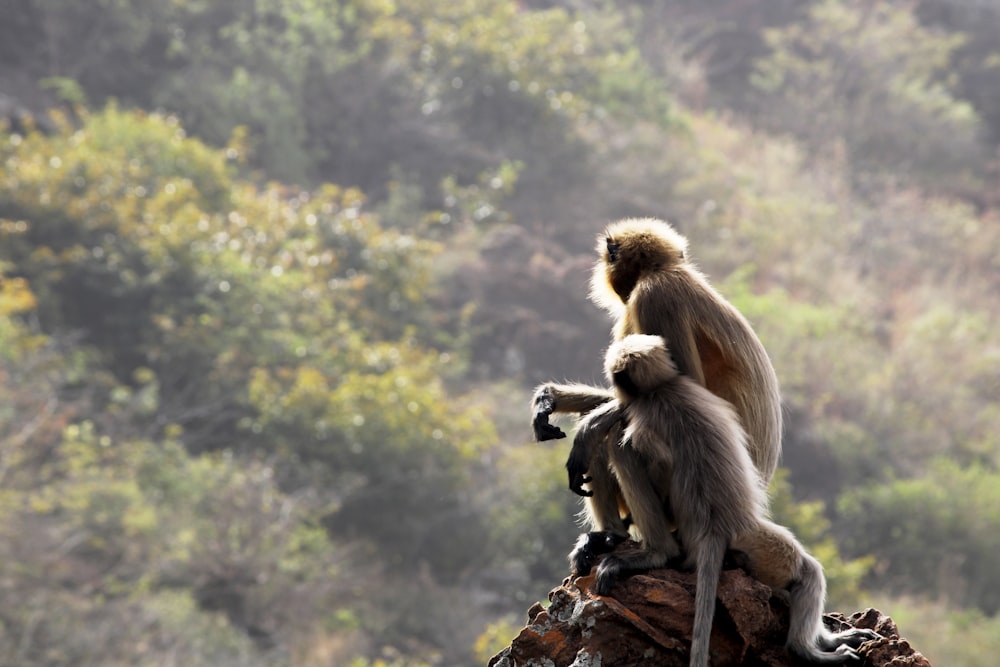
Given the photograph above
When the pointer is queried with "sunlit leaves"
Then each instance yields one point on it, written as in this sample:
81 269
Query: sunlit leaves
165 262
543 54
957 507
811 527
264 344
871 77
15 296
121 521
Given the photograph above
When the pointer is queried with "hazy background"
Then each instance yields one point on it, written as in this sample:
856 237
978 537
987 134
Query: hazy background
279 276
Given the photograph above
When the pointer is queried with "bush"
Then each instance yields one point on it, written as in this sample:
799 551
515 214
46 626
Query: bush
938 534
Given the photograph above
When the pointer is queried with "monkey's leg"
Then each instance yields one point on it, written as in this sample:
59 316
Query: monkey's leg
807 637
554 398
645 492
603 512
597 433
809 595
603 509
778 560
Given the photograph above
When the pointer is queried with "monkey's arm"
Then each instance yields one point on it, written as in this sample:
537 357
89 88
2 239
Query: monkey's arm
555 398
592 434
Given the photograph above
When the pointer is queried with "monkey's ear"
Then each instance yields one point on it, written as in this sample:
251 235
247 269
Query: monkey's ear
612 249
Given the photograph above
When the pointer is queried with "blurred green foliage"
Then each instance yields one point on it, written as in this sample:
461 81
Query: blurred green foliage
897 109
941 529
251 360
272 305
810 525
946 633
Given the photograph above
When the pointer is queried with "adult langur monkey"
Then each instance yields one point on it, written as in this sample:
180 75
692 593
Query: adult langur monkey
645 281
683 459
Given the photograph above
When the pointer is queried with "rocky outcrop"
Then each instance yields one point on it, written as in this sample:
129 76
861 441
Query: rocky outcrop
646 622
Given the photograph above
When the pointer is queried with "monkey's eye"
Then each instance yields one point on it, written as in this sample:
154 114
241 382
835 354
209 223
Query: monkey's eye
612 250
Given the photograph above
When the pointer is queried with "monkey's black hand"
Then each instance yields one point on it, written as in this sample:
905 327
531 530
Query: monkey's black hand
591 545
544 404
576 466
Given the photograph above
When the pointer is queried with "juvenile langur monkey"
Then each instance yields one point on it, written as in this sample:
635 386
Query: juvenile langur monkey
683 459
645 281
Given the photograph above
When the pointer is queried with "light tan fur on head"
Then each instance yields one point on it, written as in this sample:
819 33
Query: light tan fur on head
639 362
642 245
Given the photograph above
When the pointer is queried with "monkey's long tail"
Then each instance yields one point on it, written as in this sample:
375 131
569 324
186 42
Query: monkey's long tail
806 634
709 563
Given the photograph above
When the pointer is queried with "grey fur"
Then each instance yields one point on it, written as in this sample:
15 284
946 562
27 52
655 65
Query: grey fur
688 464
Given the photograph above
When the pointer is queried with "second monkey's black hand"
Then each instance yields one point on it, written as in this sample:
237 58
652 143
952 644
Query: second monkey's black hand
576 467
544 404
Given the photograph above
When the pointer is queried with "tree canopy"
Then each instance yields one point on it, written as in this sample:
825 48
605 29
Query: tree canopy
277 279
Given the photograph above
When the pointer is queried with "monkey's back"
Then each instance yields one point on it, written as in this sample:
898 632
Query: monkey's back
714 486
680 305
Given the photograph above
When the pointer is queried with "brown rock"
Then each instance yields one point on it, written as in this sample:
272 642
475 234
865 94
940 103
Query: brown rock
646 622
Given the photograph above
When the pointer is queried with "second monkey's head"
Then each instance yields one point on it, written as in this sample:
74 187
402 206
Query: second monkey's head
638 364
631 249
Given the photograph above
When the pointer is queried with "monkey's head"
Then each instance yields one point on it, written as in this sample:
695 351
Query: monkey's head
638 364
629 250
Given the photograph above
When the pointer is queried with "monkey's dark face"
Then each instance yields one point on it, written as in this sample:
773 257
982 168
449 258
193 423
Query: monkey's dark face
629 256
622 379
639 364
613 247
640 374
623 275
628 251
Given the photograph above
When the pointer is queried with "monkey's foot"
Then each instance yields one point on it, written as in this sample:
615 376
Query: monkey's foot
835 648
591 545
853 638
608 573
629 561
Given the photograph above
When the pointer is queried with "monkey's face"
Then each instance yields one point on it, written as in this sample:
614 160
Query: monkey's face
632 252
